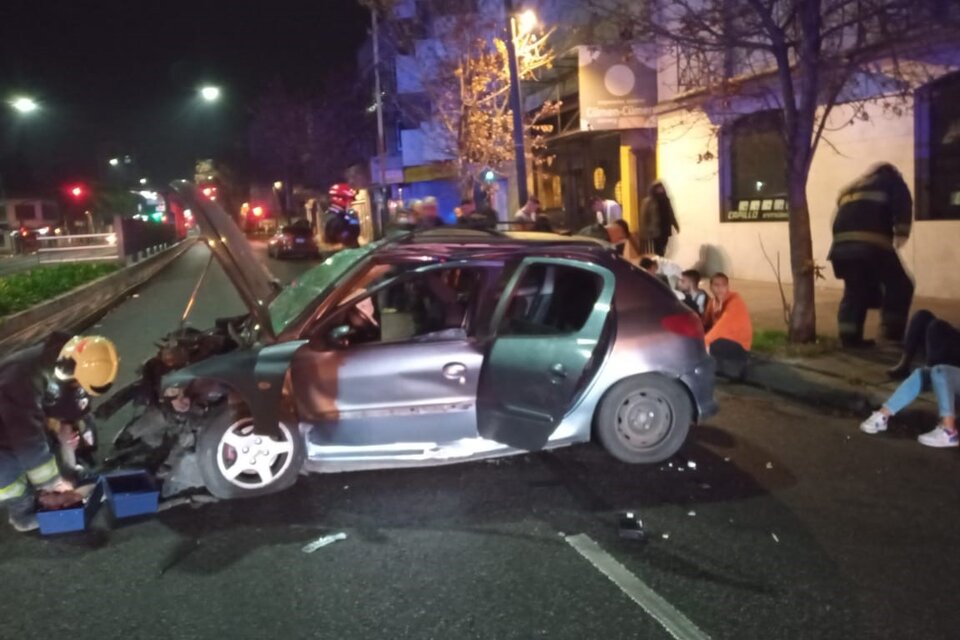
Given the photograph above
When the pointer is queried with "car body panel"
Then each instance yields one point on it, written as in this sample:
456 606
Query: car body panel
529 382
256 286
378 394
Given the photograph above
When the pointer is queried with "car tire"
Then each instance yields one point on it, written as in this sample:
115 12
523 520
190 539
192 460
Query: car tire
267 464
644 419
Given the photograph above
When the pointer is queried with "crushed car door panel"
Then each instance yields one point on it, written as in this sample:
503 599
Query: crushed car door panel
395 363
549 326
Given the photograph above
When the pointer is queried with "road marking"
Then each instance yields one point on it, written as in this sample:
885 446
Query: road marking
676 624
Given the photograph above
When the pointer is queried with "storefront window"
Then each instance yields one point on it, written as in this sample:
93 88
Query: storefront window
756 176
938 151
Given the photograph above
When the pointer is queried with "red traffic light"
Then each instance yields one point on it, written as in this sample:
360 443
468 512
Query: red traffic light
258 212
77 191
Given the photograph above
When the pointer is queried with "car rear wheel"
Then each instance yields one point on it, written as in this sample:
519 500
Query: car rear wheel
644 419
236 461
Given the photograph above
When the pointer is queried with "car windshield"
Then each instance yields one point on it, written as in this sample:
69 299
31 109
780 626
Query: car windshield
301 292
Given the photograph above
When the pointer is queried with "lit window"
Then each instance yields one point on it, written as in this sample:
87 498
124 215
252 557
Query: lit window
599 179
755 175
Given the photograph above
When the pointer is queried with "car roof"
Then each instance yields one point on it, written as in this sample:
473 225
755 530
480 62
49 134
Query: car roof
464 243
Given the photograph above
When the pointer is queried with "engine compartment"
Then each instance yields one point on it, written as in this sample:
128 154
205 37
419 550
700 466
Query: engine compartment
161 435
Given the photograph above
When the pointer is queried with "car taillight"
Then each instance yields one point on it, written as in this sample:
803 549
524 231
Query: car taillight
685 324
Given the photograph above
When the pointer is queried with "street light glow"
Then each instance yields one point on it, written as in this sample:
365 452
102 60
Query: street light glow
114 162
143 181
210 93
278 185
527 22
24 104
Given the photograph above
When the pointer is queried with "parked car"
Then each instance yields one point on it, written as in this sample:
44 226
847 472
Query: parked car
294 240
428 348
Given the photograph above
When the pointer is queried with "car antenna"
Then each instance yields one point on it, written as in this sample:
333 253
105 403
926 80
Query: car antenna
196 290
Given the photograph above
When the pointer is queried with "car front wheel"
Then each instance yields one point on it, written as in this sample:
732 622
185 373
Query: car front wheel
236 461
644 419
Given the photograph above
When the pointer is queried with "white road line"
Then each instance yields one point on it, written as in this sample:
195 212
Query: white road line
677 625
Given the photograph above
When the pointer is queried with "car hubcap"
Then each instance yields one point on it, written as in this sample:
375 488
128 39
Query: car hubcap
251 460
643 419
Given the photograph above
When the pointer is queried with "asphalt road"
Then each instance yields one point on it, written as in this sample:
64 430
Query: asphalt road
775 522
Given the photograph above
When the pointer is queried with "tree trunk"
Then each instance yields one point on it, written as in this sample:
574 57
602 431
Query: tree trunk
803 316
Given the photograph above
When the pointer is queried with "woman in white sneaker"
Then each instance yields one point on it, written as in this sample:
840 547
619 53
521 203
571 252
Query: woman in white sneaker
945 381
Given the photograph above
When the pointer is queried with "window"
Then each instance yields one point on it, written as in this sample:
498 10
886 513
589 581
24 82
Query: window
25 212
938 150
551 300
431 305
756 177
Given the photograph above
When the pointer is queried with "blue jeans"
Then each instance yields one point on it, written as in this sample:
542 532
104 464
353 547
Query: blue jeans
945 381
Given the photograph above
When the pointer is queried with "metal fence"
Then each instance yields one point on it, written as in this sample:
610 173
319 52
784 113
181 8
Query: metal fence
79 248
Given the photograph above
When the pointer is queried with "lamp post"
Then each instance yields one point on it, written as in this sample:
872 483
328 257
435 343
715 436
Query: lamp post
527 22
210 93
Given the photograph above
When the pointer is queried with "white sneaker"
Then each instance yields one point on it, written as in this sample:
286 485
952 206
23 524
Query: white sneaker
939 437
876 423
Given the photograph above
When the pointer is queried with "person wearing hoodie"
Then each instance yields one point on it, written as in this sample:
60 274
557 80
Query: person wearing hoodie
657 219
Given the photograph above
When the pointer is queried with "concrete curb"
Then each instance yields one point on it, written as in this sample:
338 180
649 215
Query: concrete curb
75 309
817 388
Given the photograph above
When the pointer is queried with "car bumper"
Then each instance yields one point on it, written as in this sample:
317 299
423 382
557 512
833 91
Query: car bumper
700 382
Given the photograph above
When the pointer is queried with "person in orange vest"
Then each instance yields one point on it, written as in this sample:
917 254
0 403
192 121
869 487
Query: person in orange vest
729 329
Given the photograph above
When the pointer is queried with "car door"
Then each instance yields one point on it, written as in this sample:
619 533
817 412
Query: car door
549 326
414 382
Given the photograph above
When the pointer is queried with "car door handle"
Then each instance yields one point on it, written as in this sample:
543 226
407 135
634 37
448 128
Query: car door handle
455 371
558 371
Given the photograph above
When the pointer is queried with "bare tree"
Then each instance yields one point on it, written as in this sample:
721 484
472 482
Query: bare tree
804 58
460 69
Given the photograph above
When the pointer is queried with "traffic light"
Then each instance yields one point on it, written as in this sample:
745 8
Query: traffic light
77 191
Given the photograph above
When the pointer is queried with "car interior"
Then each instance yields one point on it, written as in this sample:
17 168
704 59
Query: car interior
550 300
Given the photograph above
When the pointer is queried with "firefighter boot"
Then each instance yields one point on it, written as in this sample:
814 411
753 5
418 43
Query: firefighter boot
22 512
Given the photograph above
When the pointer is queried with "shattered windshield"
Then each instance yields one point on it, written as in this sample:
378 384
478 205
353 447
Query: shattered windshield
304 290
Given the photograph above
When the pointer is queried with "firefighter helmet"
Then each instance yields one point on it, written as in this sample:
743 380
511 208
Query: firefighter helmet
90 360
342 195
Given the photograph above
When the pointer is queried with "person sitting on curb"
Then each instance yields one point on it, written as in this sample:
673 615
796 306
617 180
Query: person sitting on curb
693 296
945 381
729 328
938 339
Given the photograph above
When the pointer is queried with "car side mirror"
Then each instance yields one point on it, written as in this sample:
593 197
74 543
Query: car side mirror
340 335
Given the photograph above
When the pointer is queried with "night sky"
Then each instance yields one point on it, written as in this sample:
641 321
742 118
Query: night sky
120 77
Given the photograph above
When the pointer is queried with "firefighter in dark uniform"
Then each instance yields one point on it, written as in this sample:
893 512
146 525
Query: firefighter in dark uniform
874 215
26 460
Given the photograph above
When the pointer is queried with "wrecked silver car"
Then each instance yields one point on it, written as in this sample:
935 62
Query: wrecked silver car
428 348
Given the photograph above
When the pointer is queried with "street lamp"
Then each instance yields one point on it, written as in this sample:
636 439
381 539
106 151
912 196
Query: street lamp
24 104
278 185
519 26
143 181
114 162
210 93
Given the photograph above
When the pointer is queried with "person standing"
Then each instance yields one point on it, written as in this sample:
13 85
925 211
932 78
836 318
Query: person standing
526 216
657 219
874 216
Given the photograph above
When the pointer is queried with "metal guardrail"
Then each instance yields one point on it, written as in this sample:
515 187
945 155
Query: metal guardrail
77 248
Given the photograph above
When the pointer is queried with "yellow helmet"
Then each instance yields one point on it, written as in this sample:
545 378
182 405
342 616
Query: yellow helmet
92 361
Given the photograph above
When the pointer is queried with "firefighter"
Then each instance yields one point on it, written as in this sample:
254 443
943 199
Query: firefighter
873 220
340 223
26 461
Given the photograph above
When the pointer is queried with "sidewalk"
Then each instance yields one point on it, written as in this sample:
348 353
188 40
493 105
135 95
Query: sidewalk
850 381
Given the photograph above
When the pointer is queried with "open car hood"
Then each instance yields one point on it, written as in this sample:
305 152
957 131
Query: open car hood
255 284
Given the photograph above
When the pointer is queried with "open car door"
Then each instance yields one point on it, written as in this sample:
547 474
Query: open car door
548 328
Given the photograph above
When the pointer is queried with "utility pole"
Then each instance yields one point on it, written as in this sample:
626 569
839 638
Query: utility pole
516 105
379 196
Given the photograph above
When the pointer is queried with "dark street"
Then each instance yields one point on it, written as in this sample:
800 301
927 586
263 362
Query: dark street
774 522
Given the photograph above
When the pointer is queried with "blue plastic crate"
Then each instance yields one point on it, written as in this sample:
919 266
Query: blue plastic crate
76 519
131 493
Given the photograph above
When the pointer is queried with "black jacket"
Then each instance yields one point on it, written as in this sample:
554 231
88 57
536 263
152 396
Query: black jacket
24 377
873 210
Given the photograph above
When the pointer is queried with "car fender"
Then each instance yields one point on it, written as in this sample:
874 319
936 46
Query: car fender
256 375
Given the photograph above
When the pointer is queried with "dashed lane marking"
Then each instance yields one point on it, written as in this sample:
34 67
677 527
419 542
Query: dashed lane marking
676 624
